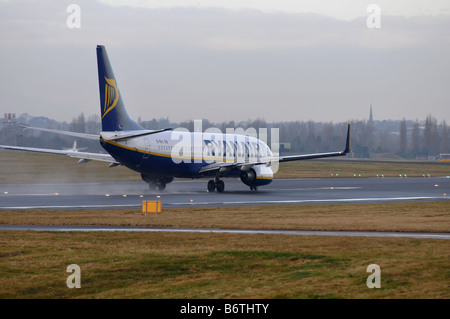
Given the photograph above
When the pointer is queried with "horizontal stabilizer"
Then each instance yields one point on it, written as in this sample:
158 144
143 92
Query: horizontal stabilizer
80 155
123 135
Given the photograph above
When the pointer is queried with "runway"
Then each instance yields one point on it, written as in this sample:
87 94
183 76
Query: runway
110 195
228 231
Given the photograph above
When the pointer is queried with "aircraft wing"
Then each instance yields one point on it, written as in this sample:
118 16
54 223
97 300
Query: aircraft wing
224 166
80 155
75 134
319 155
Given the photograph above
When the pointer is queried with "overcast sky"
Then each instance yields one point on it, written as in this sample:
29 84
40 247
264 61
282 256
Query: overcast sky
229 60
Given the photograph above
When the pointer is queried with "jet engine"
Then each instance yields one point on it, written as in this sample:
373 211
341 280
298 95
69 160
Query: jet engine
258 175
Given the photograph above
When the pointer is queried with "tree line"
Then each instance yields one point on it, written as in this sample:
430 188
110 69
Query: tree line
406 138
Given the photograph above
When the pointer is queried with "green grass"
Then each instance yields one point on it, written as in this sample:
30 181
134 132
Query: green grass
360 168
212 265
170 265
25 167
183 265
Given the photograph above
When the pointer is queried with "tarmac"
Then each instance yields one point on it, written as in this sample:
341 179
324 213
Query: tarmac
187 193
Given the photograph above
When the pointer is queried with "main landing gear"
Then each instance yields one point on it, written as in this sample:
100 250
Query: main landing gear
216 184
156 183
219 185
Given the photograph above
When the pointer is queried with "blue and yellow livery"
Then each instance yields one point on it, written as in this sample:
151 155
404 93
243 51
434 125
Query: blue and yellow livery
162 155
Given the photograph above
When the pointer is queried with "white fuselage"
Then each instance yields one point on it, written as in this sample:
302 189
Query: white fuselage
185 153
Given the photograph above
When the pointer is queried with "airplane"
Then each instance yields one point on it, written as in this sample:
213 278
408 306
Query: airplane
164 154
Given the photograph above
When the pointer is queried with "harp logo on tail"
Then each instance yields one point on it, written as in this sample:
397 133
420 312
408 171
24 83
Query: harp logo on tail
111 96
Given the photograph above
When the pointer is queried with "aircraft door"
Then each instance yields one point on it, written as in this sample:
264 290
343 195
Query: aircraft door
146 148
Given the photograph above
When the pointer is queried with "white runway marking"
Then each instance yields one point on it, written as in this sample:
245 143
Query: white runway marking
229 231
319 188
230 203
300 201
70 207
17 195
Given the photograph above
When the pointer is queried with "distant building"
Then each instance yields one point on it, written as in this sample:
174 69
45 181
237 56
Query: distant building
371 115
444 158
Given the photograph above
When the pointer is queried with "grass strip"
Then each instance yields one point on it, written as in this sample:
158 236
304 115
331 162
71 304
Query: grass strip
400 217
172 265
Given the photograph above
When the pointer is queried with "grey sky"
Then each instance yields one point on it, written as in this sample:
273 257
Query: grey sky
229 60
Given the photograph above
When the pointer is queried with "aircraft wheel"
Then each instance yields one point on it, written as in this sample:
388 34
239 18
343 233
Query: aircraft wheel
220 185
161 186
211 186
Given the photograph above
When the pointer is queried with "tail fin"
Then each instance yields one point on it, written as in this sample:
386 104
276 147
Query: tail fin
112 110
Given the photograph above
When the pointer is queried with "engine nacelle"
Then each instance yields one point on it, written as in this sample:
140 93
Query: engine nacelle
258 175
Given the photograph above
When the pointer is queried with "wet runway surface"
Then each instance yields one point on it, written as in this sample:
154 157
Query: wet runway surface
186 193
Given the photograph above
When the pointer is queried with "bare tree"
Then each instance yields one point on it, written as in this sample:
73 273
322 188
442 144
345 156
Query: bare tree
403 138
445 146
78 124
93 125
431 136
415 139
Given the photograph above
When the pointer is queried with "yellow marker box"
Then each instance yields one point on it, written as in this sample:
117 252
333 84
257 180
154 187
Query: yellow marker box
151 206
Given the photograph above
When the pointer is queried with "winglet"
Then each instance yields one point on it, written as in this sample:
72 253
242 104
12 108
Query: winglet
348 145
